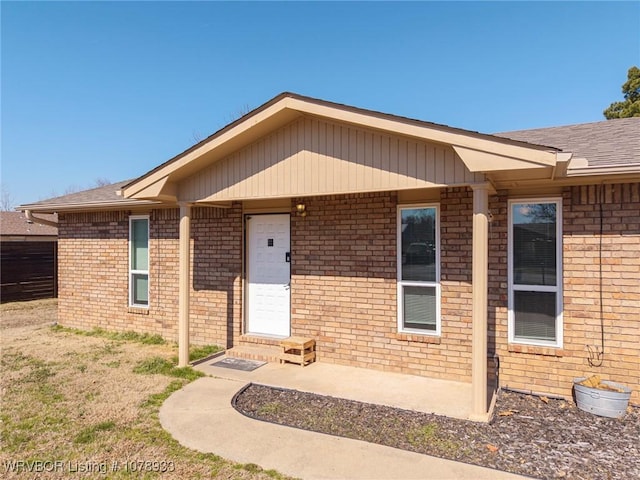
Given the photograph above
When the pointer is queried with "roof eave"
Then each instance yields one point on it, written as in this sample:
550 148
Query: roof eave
633 168
86 206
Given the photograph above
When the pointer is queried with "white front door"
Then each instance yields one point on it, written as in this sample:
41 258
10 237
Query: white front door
268 275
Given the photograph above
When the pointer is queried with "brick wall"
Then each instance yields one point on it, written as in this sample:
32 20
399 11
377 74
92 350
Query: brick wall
552 370
343 287
93 271
456 217
163 274
216 296
497 301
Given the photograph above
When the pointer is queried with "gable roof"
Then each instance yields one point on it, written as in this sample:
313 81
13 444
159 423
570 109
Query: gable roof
16 224
479 152
338 106
507 158
606 143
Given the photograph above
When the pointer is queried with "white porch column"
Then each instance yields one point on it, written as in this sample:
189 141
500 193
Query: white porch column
479 294
184 280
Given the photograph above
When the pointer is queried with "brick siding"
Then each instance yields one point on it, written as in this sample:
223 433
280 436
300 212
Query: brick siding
216 295
343 285
551 370
93 270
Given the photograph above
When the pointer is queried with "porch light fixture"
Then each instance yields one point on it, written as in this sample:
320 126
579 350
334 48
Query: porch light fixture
301 208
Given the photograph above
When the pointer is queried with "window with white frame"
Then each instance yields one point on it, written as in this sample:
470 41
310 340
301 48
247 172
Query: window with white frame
535 272
418 270
139 261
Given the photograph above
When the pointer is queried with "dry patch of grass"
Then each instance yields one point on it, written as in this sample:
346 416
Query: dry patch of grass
34 312
91 401
29 305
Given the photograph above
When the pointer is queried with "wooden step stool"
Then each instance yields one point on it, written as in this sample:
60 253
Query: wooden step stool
298 350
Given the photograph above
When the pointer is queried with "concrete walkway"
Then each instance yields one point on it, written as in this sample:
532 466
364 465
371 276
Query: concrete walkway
200 416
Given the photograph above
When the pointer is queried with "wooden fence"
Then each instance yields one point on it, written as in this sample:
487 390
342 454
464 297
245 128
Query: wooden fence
28 270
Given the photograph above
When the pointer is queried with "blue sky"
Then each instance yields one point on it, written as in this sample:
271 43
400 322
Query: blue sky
110 90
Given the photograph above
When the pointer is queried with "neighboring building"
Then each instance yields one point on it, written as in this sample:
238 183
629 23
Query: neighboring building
27 258
397 244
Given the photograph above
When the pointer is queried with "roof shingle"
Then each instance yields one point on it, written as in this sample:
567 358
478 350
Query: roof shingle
607 143
15 223
106 193
610 142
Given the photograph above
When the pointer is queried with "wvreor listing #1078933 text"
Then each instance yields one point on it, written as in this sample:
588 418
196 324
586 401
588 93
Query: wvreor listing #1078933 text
98 468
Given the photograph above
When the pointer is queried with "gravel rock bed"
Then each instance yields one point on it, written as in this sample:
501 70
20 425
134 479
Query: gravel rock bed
548 440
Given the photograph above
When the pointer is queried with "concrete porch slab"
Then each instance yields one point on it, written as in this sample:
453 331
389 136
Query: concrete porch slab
411 392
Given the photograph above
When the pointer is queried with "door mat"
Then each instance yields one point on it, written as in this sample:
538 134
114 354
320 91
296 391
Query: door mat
239 364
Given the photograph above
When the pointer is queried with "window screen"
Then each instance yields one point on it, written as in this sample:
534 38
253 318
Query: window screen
535 315
420 307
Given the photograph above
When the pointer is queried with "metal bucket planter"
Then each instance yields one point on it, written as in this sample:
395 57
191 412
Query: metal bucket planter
604 403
